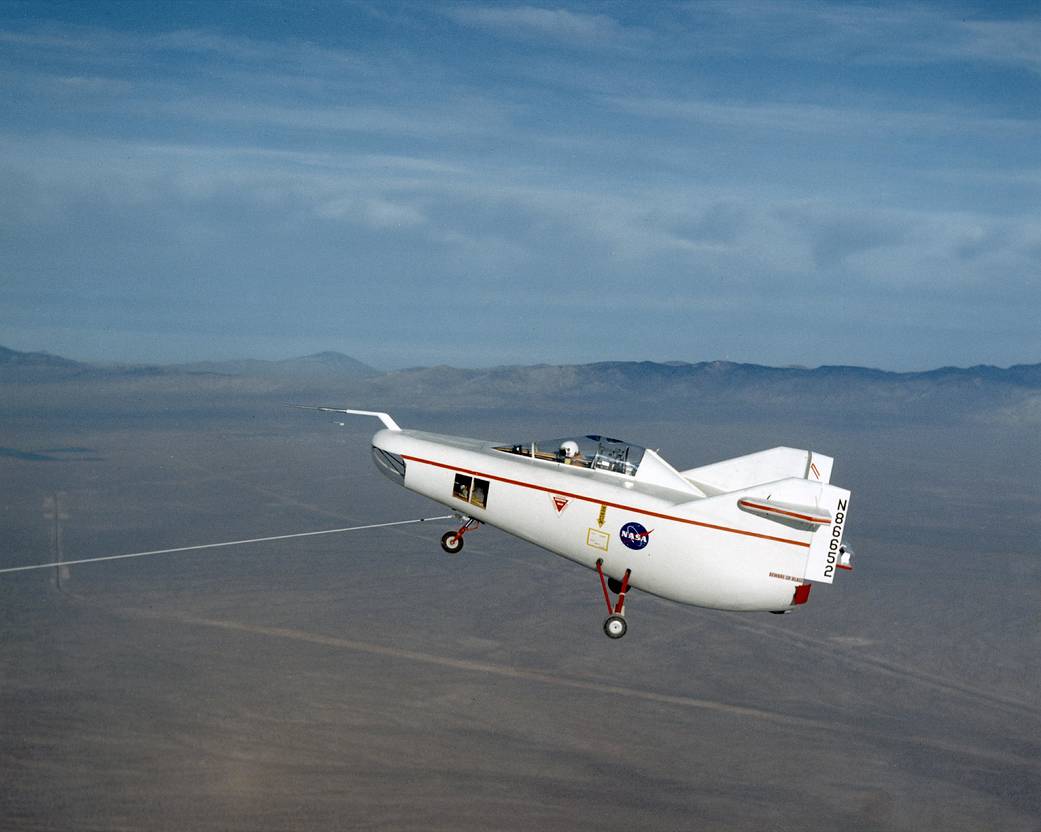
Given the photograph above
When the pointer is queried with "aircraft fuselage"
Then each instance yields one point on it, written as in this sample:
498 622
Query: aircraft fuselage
693 548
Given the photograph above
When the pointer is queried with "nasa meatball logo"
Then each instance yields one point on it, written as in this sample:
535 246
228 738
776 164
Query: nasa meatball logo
634 535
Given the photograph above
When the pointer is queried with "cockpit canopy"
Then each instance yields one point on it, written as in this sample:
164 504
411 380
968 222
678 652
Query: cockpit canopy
601 453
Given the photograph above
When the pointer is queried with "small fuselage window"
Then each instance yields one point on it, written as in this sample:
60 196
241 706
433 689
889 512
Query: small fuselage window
471 490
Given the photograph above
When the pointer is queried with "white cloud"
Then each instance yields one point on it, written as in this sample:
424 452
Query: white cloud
111 45
433 119
912 33
820 118
557 24
1003 41
375 212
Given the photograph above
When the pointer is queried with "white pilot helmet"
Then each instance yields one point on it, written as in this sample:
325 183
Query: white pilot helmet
569 448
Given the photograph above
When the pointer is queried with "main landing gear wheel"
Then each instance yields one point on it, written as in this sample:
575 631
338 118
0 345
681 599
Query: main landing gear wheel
615 626
451 543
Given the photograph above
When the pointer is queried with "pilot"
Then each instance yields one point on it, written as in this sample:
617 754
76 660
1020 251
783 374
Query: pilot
572 456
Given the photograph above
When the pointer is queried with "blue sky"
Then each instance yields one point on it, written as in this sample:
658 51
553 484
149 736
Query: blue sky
498 183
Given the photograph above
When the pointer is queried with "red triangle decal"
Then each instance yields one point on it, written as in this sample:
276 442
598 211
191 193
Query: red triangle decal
560 503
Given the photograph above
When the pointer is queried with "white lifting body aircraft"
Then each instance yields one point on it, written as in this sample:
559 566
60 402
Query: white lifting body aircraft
747 533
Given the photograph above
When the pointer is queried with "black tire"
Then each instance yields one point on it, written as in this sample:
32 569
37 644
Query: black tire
615 626
451 543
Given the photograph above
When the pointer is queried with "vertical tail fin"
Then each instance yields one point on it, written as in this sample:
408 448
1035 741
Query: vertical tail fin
826 543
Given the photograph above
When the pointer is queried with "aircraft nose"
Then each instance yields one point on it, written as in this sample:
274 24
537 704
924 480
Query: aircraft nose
388 463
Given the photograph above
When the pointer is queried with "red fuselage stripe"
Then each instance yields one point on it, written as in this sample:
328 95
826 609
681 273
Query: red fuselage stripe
643 511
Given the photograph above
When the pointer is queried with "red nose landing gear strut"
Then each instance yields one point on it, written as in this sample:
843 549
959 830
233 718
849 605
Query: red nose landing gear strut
614 626
452 542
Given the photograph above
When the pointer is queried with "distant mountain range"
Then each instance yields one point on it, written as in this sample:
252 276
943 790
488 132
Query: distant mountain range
12 359
43 367
320 365
329 364
713 389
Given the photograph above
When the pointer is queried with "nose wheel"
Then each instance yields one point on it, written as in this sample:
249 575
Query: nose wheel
452 542
614 625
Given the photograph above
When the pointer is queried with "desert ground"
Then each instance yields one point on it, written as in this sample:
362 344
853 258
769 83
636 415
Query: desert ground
367 680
